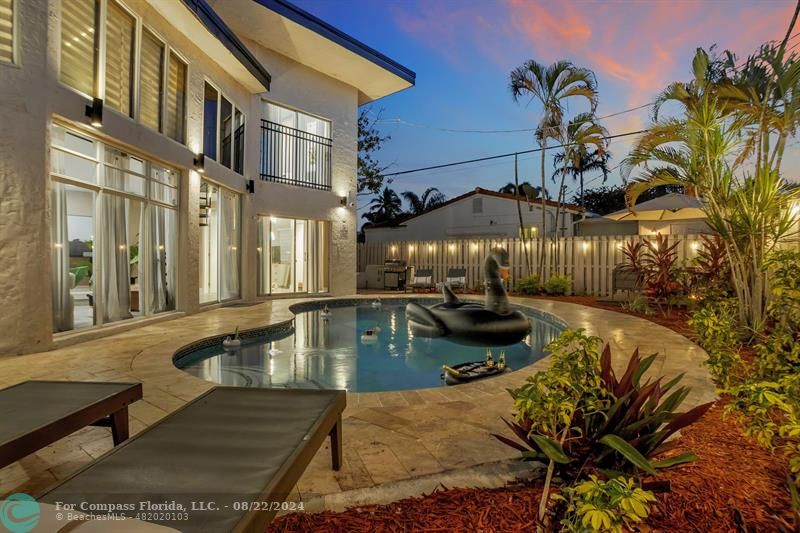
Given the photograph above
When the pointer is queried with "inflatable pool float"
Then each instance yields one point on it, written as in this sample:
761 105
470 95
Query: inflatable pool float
376 304
491 324
232 343
466 372
369 337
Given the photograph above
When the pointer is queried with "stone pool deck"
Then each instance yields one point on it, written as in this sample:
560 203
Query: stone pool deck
388 436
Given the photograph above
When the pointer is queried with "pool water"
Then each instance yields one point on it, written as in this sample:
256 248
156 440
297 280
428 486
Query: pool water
329 354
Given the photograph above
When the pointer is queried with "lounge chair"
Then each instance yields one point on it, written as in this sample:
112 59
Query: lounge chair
457 278
237 451
422 279
34 414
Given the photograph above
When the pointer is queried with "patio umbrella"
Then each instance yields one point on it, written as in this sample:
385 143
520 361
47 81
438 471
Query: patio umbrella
671 206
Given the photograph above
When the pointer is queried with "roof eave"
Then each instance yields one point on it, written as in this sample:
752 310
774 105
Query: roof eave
217 27
319 26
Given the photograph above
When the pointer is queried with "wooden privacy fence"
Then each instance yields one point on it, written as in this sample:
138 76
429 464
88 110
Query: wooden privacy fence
589 261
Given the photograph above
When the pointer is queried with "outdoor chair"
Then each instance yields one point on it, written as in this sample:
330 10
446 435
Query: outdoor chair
422 280
457 278
243 449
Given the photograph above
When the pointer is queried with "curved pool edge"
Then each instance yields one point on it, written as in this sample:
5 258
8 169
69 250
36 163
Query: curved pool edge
316 304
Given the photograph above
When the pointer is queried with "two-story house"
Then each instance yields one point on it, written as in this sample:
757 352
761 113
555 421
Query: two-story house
161 157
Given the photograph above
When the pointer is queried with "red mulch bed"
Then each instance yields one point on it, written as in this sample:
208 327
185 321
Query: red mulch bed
735 486
509 509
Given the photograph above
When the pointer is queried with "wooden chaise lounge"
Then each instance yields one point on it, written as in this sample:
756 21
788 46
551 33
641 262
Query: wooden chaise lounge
235 452
34 414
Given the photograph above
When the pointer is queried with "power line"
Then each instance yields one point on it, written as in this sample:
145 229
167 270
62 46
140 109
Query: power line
500 156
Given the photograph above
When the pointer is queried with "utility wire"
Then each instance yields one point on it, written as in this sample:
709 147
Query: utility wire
499 156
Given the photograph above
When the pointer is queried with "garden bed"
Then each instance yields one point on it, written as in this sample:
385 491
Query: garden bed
735 483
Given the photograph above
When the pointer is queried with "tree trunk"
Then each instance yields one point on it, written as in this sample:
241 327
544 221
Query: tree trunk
521 223
543 236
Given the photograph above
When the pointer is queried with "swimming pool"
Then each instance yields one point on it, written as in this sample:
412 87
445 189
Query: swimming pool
329 354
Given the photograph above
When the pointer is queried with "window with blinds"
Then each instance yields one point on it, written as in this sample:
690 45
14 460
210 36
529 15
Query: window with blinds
7 31
78 44
120 33
150 76
176 98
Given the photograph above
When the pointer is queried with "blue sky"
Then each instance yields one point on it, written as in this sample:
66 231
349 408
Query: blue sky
463 51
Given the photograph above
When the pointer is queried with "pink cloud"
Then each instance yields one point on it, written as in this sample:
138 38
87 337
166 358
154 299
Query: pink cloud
635 48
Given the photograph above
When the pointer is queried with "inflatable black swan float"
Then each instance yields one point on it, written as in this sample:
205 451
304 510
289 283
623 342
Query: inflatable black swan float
492 324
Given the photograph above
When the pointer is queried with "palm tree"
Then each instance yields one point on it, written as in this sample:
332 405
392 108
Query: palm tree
432 197
551 86
385 207
725 122
580 133
586 161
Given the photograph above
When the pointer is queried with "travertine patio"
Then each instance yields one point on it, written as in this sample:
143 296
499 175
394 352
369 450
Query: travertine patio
387 436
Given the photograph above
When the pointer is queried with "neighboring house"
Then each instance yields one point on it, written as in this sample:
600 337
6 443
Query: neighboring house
478 214
671 214
183 153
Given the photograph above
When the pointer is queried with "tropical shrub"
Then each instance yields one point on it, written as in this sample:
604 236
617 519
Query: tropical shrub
529 285
639 304
659 264
615 505
558 285
716 326
779 353
711 272
578 414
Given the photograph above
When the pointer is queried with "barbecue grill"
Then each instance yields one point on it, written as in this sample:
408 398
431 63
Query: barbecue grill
394 274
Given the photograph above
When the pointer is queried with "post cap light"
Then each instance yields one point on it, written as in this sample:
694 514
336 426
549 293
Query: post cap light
94 113
199 163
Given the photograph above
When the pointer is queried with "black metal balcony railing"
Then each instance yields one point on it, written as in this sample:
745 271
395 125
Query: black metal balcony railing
295 157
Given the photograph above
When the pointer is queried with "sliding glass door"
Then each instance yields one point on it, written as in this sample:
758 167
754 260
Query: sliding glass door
292 256
220 234
114 231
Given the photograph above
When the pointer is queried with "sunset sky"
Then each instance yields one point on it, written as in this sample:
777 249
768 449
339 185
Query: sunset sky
463 51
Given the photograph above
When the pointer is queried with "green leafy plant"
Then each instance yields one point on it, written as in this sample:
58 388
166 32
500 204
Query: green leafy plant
639 304
80 273
529 285
578 414
558 285
660 269
716 326
594 505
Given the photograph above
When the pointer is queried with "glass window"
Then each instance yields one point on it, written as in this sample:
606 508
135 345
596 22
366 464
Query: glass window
282 255
136 238
72 232
225 132
123 172
209 242
220 236
73 155
120 33
238 143
78 48
7 31
158 258
292 255
150 76
210 108
176 98
230 235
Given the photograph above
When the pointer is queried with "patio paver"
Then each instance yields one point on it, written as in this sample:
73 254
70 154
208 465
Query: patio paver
388 436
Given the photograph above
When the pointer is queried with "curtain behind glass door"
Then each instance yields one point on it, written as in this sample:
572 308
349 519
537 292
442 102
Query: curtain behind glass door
230 235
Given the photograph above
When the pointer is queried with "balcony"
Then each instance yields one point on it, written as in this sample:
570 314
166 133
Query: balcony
295 157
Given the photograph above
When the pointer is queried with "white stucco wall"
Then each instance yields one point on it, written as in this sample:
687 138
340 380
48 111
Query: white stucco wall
31 96
498 219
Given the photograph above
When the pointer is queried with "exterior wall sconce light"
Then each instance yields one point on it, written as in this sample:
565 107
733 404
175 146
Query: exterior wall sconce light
251 186
199 163
343 201
94 113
